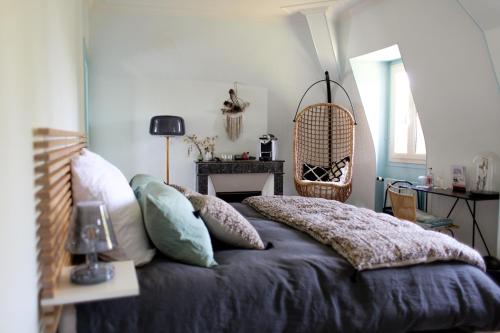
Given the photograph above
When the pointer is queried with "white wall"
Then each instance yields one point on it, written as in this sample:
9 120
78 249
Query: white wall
453 84
364 165
18 294
121 133
371 78
371 81
39 86
146 61
493 38
59 65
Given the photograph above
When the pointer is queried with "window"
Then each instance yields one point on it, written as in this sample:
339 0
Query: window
407 142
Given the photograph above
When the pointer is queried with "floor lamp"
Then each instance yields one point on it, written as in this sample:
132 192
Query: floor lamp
167 126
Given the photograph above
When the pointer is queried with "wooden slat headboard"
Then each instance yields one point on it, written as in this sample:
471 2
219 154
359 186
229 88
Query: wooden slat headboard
54 204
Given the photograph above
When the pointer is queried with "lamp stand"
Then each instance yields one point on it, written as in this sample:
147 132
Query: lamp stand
93 271
167 161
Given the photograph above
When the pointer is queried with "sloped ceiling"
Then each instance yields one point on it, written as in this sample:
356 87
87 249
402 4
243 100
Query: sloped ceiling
486 13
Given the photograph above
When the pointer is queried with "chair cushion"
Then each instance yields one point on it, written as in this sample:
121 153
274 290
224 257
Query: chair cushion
315 173
171 223
339 169
430 221
336 173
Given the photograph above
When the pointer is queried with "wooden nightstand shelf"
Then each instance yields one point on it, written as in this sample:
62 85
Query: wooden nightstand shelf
123 284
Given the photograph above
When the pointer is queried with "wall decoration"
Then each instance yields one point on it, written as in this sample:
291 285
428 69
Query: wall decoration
233 111
485 165
458 178
204 146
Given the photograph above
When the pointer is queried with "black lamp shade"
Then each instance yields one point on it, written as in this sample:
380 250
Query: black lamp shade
167 126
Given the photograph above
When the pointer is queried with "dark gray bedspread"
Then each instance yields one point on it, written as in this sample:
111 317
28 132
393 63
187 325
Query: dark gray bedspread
298 285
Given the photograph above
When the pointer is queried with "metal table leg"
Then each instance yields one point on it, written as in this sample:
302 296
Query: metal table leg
473 223
476 225
452 208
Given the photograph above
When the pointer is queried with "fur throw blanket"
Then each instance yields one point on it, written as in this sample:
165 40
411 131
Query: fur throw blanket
368 240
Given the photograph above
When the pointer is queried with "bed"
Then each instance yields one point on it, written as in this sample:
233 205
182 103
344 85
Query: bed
297 285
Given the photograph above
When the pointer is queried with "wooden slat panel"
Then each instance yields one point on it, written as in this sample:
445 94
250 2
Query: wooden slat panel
52 178
47 292
50 204
47 243
49 310
48 218
50 252
55 148
51 271
56 133
51 319
51 166
50 247
52 226
48 286
53 193
57 153
57 143
49 282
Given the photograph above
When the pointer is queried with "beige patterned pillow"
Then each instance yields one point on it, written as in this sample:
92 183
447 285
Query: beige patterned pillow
187 192
225 223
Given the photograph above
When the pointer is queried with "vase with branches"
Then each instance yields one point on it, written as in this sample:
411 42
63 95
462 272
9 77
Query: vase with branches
204 146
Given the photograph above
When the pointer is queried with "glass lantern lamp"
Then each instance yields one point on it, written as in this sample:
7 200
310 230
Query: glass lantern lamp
90 234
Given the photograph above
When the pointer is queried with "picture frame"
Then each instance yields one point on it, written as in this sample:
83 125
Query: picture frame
458 178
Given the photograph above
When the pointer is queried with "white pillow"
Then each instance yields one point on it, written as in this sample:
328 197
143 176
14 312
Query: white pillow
94 178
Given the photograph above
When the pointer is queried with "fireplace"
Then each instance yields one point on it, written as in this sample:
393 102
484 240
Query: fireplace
237 196
240 187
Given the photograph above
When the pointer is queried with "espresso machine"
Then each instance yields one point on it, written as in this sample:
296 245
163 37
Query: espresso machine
268 147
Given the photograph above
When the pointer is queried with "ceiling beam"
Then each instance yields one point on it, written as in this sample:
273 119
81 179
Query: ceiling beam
322 34
324 41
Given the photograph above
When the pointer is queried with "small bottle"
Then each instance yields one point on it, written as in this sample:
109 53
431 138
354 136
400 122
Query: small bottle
429 178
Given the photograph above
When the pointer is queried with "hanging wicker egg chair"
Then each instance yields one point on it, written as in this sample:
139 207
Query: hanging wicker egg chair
323 148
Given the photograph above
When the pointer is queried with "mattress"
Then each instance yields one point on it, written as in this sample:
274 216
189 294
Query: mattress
296 285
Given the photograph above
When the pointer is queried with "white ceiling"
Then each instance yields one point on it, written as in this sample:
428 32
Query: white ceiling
387 54
225 7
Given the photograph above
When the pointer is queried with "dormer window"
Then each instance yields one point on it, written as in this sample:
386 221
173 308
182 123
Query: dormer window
407 144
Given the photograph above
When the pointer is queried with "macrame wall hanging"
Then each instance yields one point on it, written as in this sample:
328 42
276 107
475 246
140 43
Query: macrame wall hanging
233 113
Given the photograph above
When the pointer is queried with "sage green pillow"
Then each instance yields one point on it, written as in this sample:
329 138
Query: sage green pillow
142 180
171 224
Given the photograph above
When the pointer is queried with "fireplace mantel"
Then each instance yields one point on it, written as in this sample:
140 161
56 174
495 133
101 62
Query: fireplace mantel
205 169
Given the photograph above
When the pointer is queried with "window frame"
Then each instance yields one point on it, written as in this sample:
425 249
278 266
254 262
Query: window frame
411 156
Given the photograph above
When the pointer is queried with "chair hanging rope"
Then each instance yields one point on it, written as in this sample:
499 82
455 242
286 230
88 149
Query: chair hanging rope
326 80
